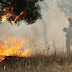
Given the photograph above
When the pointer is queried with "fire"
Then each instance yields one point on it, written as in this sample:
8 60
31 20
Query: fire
8 12
4 17
25 53
7 15
2 58
12 47
17 17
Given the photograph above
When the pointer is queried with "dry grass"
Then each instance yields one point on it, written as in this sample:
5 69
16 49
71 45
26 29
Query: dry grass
37 63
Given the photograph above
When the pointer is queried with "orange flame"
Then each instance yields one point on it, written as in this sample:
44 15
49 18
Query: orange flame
8 13
11 47
25 53
17 17
4 17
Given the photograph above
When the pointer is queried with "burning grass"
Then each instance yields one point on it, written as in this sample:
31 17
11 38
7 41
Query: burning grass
11 62
12 47
14 61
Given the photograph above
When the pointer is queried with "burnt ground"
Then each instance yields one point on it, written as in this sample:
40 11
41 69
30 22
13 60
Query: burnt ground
37 64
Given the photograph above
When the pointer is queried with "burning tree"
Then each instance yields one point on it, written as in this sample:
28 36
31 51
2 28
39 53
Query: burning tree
17 10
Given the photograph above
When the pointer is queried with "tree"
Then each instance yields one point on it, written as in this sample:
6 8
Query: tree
17 10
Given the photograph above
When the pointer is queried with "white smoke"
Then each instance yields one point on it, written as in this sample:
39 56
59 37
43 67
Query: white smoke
55 20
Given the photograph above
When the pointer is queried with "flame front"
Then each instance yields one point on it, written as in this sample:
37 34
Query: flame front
11 47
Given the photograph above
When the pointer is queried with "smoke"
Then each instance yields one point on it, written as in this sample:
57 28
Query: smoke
55 21
65 5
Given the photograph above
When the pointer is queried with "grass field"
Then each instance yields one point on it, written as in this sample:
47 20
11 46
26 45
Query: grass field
38 63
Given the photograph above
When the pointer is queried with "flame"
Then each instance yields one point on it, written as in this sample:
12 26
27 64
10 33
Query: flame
8 11
2 58
4 17
11 47
25 53
17 17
